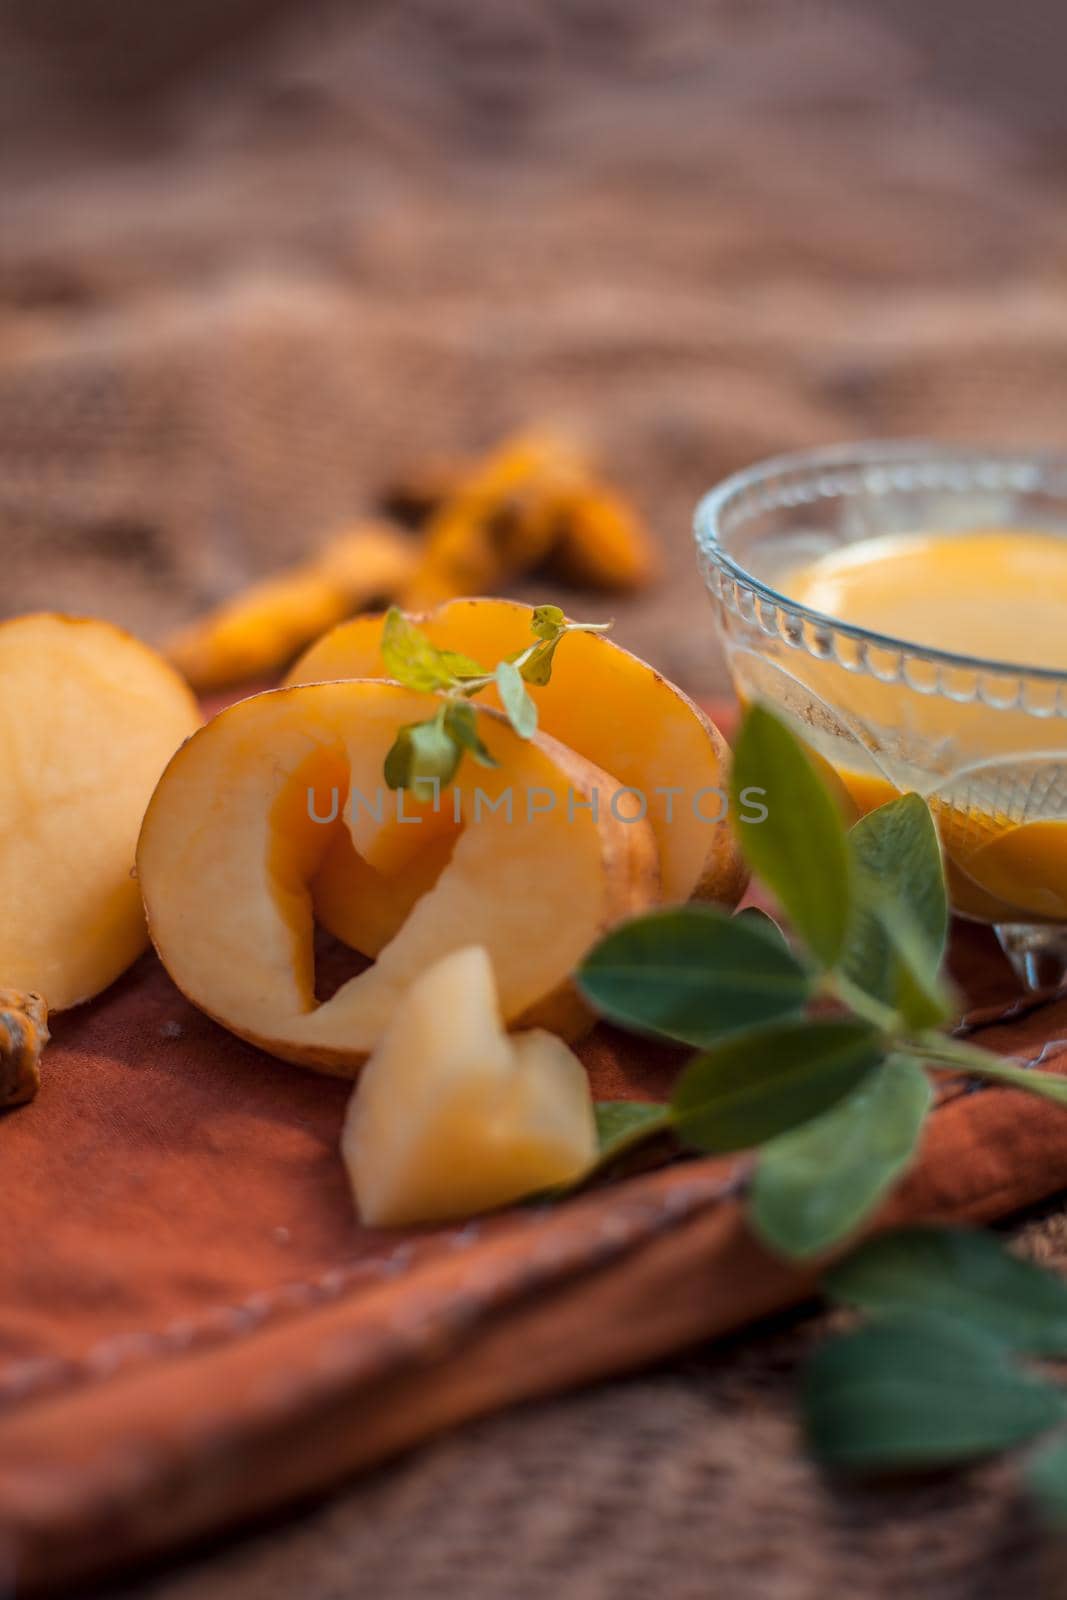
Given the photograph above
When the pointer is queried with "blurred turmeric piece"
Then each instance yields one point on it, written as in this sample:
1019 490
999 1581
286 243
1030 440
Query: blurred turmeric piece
23 1035
501 519
260 630
533 501
603 544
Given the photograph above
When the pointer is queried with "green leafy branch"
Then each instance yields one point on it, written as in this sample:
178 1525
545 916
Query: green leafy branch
941 1371
428 754
832 1103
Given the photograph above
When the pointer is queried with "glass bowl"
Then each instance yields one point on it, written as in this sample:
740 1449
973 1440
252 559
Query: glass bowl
985 742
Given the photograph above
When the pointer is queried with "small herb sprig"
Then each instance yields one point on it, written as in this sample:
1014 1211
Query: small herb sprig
427 755
940 1372
833 1105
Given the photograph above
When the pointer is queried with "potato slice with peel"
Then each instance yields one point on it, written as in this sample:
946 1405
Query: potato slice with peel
232 839
609 705
90 718
452 1117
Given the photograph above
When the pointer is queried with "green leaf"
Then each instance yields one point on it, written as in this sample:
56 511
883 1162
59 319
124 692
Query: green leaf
423 754
1046 1479
962 1274
409 656
620 1124
800 849
756 917
693 974
521 710
920 1393
815 1185
460 667
461 723
755 1085
537 668
920 994
900 920
897 845
548 622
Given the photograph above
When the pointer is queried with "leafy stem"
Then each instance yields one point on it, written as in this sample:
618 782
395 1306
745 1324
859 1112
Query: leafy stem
938 1050
426 755
833 1105
940 1371
838 986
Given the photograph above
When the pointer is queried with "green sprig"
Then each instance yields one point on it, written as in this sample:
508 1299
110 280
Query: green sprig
940 1373
427 754
833 1107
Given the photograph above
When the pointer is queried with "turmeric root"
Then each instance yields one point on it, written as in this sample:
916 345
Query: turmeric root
533 501
502 519
603 544
414 497
23 1035
259 632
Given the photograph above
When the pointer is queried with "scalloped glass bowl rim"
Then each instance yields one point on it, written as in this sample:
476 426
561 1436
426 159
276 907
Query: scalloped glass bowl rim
872 454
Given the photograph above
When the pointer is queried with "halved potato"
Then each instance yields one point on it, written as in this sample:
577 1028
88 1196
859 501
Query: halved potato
90 718
247 811
609 705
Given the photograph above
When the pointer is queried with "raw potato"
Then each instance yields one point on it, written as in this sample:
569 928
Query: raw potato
452 1117
229 846
604 702
349 895
90 718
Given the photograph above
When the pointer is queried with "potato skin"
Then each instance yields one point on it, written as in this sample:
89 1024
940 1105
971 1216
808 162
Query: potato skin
726 875
631 862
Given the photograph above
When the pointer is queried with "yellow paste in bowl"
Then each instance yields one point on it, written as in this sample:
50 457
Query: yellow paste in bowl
996 594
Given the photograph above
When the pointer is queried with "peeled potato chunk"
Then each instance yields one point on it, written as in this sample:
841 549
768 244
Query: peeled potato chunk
607 704
247 811
452 1117
90 718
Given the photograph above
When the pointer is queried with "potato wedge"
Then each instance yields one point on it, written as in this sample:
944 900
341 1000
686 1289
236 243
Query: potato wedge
449 1121
244 817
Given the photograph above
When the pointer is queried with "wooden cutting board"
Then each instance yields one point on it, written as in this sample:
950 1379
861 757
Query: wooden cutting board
195 1328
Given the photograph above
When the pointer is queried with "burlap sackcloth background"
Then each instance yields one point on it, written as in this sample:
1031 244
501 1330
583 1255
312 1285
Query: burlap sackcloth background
254 259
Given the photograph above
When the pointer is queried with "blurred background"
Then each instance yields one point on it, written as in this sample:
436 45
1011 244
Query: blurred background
259 256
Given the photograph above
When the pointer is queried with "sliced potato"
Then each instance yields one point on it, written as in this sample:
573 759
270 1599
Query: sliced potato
603 702
90 718
247 811
452 1117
